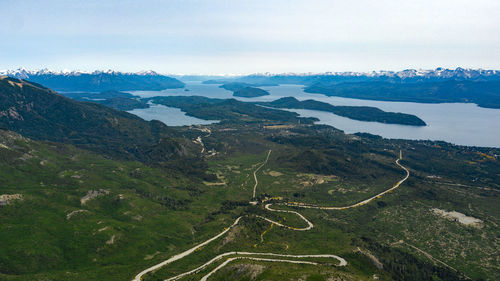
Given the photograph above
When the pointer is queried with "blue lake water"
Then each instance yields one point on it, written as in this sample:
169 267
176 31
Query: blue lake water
169 115
458 123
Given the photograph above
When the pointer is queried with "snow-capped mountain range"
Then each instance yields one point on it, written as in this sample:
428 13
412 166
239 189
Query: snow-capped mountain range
23 73
442 73
96 81
464 73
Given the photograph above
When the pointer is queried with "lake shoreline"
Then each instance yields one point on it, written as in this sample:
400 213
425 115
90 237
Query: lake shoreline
457 123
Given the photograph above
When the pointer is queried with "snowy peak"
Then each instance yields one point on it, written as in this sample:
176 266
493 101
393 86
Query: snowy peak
461 73
96 81
20 73
23 73
407 74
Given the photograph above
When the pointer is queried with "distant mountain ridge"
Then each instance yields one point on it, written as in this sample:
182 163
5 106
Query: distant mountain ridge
23 73
438 73
96 81
404 76
407 73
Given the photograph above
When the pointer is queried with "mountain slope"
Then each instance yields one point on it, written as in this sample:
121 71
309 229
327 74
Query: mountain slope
75 215
39 113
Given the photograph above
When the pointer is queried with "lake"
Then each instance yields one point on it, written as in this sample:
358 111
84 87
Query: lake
458 123
169 115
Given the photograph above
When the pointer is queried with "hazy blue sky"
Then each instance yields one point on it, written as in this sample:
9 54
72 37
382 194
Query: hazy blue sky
188 36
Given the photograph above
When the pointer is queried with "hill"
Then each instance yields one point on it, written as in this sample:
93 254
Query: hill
75 215
39 113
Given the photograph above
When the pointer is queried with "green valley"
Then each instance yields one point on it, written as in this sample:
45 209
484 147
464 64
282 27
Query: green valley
249 140
261 195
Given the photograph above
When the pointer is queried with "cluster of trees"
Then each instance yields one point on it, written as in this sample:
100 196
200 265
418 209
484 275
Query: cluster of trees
404 266
362 113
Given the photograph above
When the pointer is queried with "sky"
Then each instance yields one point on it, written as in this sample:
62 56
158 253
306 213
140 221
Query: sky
242 37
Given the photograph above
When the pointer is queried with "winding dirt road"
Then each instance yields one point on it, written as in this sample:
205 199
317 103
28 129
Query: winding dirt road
378 196
341 260
139 276
255 173
309 224
250 255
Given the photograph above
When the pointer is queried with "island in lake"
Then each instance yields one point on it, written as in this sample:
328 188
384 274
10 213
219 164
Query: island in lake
98 95
250 92
244 90
361 113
